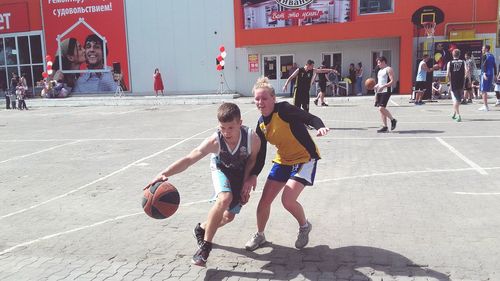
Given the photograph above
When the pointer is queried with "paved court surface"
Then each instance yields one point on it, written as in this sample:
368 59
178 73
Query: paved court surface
420 203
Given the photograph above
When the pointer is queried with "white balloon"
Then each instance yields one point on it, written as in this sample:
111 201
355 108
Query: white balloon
222 62
223 54
49 71
49 62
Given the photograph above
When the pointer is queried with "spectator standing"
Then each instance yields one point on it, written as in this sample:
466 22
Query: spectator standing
359 79
158 82
469 77
488 71
352 77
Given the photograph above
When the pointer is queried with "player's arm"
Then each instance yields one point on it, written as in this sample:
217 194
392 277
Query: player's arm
209 145
313 78
261 155
448 73
293 114
294 74
390 72
250 180
322 70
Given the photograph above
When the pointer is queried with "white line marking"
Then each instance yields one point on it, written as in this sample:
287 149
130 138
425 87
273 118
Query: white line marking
38 152
393 102
461 156
395 173
46 237
102 178
476 193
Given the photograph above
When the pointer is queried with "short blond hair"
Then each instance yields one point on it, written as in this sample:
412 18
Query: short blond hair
263 83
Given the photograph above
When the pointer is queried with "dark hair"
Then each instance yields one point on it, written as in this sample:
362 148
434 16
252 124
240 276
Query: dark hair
382 59
487 47
309 62
360 64
96 39
228 112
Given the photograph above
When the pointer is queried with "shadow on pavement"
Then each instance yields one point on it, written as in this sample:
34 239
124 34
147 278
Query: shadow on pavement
322 262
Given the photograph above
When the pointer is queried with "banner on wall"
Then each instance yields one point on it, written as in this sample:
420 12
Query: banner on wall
286 13
253 63
14 18
442 53
87 43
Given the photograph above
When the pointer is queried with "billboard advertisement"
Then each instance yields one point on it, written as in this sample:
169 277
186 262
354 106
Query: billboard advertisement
286 13
86 39
442 53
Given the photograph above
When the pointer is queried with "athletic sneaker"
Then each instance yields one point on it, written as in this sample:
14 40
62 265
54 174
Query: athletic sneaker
463 102
303 236
459 119
256 241
316 102
454 116
382 130
199 234
201 255
324 104
497 103
393 124
483 108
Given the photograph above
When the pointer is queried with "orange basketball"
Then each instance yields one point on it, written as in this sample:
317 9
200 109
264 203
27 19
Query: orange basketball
370 83
160 200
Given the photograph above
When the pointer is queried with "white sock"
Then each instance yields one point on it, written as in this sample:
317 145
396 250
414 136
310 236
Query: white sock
305 225
260 233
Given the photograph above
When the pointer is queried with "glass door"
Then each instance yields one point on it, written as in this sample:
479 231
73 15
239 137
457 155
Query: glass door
276 69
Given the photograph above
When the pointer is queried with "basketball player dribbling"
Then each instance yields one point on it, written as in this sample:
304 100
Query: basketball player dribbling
383 93
234 150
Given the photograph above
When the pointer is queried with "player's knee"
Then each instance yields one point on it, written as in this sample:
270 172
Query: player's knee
224 199
227 218
288 203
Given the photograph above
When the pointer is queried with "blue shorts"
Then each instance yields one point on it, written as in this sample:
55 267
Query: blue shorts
486 85
224 183
303 173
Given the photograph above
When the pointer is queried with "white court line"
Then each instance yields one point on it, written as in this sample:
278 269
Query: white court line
477 193
38 152
102 178
8 250
401 138
121 112
111 139
393 102
46 237
402 122
461 156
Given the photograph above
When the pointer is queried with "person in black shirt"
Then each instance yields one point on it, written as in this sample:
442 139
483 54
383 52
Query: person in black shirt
303 80
456 76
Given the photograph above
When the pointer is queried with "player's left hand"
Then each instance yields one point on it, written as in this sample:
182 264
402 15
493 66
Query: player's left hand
322 131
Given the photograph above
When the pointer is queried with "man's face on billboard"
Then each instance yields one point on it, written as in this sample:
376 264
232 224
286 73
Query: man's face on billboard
94 54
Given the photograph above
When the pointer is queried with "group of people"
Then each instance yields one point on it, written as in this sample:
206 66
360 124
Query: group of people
98 78
238 156
15 98
462 85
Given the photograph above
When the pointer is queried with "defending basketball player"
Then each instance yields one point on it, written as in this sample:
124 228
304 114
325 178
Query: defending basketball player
234 150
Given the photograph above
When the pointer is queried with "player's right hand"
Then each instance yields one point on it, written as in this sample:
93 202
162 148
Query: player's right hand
159 178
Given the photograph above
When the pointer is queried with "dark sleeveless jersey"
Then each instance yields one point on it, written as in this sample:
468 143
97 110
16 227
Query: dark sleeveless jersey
235 161
457 73
303 80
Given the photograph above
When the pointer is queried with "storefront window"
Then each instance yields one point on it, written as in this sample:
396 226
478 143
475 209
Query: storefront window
24 50
36 49
10 50
21 54
375 6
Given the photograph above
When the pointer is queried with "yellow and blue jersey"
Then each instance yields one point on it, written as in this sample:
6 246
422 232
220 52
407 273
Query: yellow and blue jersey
286 129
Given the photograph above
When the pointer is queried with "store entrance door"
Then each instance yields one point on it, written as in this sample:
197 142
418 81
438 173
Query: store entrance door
276 69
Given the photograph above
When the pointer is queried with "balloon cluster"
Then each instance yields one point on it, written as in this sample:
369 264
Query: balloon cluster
221 57
49 67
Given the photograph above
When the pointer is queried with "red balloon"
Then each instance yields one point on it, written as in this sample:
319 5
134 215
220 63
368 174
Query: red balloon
48 57
219 58
221 48
219 67
45 74
49 67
